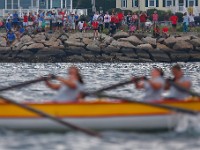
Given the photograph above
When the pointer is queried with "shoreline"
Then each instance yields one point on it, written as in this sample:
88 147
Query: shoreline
80 47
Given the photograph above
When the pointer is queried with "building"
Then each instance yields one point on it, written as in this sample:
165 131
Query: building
36 5
173 5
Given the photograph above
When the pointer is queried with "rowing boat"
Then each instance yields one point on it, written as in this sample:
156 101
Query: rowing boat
98 115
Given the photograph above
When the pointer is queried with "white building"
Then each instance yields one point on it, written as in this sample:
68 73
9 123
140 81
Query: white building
28 5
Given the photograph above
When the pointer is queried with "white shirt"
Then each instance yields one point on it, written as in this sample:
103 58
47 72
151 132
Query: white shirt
107 18
95 17
191 18
80 25
66 93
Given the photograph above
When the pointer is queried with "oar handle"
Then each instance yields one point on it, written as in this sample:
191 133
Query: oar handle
28 83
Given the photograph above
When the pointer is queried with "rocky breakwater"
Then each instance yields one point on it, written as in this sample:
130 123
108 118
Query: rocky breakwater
80 47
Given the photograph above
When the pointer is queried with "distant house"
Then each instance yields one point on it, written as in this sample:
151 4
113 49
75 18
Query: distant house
173 5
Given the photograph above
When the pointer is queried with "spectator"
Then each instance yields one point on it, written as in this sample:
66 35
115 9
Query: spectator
185 22
96 16
174 20
9 17
113 29
15 20
191 20
8 25
165 31
134 19
143 19
156 31
120 17
95 26
155 18
76 16
71 21
80 26
10 37
25 21
59 21
41 18
100 20
117 21
129 18
107 20
47 22
54 21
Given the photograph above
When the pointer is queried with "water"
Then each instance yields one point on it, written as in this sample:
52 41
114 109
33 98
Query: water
186 136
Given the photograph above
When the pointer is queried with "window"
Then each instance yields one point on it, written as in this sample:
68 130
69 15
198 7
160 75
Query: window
2 2
25 4
15 4
42 4
134 3
9 4
168 3
124 3
152 3
56 3
191 3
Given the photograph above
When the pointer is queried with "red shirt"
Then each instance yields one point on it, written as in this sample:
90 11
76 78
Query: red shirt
143 18
116 19
95 24
120 16
25 18
63 14
165 29
113 18
174 19
155 17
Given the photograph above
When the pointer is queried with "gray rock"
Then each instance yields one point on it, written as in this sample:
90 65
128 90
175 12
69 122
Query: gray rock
26 39
163 47
119 44
182 45
145 47
127 50
140 35
51 43
63 38
107 57
36 45
74 43
161 40
142 54
110 49
170 41
46 53
195 42
179 56
89 57
93 47
108 40
120 34
3 42
126 59
194 56
87 41
74 58
133 40
160 56
73 50
149 40
183 38
5 48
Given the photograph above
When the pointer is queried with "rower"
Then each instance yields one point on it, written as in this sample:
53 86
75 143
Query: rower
69 89
153 87
180 80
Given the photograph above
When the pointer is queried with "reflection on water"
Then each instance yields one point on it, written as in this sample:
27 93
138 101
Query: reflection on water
95 76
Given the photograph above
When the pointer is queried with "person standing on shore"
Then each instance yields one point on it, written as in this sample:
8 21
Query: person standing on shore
185 22
95 26
107 19
174 20
143 19
191 21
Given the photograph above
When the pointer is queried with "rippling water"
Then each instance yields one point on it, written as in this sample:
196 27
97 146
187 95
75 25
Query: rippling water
95 75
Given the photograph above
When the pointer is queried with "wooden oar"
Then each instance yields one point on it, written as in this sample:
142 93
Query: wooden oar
25 83
45 115
163 106
114 86
182 89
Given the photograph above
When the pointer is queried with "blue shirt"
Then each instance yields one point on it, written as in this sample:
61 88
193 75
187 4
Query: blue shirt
11 36
21 30
186 20
8 26
41 18
15 17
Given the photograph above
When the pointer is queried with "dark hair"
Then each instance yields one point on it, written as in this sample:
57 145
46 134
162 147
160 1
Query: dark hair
177 67
80 79
159 70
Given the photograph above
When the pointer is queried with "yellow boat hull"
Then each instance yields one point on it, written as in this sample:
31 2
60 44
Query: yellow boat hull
95 115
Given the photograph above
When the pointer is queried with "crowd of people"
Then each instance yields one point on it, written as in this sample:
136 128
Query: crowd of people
72 87
60 20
